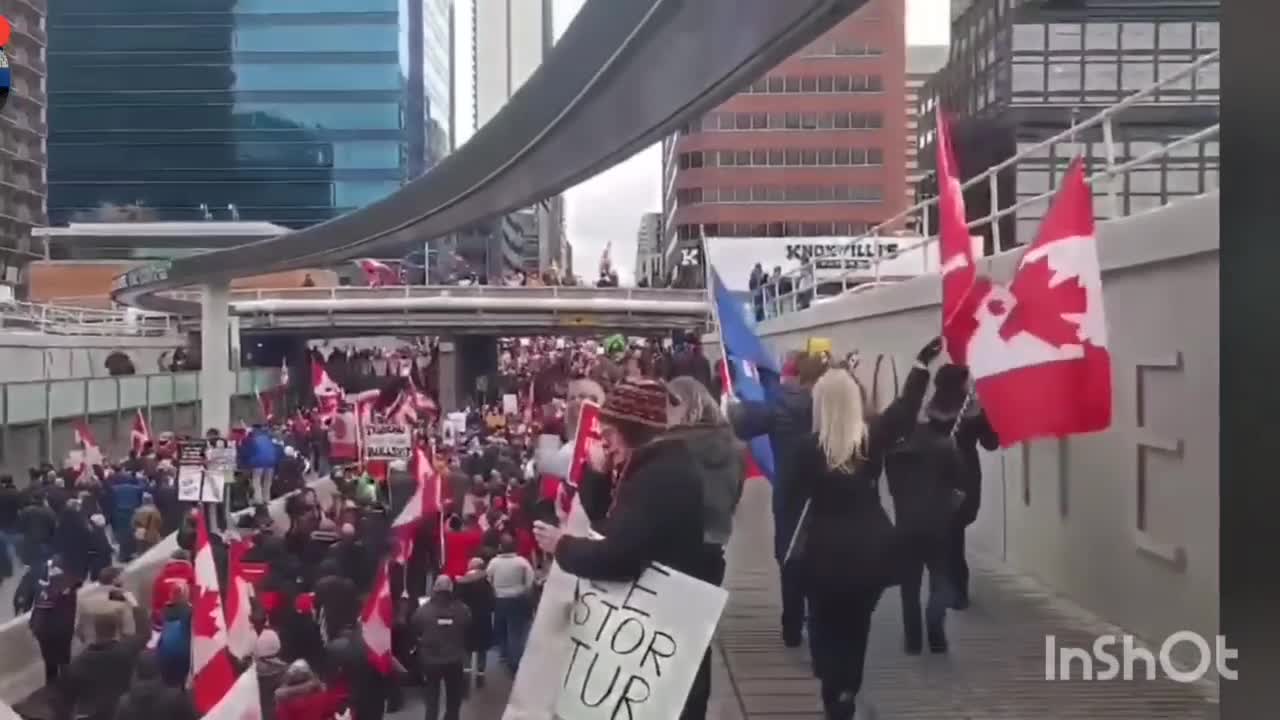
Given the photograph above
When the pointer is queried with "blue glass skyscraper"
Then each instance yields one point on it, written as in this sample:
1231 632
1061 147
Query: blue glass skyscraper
290 111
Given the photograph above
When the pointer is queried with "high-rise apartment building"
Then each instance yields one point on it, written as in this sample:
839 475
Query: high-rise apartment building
922 62
22 135
288 111
814 147
1023 71
510 39
648 268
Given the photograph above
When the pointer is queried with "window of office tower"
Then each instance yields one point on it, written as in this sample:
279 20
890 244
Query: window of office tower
290 111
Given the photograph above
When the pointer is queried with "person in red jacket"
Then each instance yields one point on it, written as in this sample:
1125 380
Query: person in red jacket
302 696
178 571
460 545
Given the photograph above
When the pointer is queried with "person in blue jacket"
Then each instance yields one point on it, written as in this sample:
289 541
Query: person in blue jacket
260 453
126 497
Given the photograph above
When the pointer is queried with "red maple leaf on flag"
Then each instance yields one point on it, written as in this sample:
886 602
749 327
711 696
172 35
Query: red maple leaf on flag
1041 305
204 606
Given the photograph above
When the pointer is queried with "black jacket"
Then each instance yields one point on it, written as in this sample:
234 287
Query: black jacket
655 517
923 471
972 432
475 591
788 421
98 677
850 541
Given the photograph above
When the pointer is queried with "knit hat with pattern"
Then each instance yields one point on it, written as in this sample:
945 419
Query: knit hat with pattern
639 401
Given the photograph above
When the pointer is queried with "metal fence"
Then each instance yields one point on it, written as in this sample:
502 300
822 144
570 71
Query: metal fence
69 320
801 282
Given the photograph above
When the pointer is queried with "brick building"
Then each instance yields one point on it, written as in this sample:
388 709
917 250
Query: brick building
814 148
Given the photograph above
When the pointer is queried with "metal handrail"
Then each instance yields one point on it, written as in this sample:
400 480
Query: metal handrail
71 320
566 292
798 275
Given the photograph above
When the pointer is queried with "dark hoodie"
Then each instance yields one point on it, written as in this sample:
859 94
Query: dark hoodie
474 590
788 421
150 699
721 469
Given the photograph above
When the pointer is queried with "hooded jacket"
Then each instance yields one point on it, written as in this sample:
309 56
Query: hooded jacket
721 469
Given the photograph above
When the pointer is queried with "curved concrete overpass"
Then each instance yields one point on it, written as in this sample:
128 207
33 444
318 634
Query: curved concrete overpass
625 74
452 310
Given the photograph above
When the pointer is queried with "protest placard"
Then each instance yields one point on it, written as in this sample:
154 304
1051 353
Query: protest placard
220 463
194 483
387 442
510 404
637 646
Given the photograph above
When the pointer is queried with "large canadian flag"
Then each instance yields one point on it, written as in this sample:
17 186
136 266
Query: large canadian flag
375 622
425 501
328 393
1037 348
242 702
240 634
140 433
212 673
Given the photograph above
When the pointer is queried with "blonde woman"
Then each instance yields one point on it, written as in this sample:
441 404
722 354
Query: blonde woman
845 544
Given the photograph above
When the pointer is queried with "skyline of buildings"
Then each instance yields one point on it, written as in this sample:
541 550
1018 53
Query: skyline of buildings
509 41
23 131
230 112
1020 73
813 148
649 259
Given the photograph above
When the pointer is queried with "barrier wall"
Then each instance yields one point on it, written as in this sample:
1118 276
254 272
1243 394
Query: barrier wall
38 416
1069 513
27 356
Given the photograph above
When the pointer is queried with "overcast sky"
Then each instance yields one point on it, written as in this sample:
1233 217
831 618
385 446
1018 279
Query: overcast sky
608 207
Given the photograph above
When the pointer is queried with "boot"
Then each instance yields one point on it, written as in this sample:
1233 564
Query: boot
937 639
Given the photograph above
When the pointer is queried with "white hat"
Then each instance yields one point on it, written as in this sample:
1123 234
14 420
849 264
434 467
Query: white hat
267 645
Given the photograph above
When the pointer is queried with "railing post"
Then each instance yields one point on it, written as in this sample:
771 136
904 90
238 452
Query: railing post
48 423
1109 141
995 210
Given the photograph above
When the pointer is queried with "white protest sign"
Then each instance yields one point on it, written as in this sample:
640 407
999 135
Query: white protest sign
637 646
221 464
510 404
387 442
189 487
459 422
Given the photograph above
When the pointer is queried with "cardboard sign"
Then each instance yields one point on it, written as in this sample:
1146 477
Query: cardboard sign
587 437
388 442
637 646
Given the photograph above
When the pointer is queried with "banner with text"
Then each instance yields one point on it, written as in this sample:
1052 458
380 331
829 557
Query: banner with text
387 442
637 645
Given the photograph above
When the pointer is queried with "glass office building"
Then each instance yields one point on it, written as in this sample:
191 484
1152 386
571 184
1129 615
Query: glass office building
1022 71
288 111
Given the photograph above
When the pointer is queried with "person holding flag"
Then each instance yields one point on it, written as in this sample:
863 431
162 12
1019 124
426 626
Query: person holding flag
775 418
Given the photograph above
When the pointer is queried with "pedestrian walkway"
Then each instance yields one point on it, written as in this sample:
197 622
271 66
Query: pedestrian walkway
995 668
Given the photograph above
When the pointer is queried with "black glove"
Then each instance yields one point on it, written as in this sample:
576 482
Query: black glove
930 351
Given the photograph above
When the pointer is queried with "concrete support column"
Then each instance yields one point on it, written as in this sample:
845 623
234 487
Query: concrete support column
448 376
217 383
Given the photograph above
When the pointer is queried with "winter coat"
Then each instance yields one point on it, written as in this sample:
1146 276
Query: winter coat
259 451
441 627
788 421
849 540
972 432
174 573
148 525
98 677
722 470
95 602
306 701
656 517
270 674
150 699
126 497
922 469
474 590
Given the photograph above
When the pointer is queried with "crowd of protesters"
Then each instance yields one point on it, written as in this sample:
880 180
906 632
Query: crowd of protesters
470 588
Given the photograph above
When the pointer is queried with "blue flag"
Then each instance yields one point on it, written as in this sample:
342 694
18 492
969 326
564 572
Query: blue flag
754 372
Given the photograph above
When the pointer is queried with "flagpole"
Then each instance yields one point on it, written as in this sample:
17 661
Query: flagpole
715 310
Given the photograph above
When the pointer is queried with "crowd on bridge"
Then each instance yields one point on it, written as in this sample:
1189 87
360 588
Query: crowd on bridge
488 535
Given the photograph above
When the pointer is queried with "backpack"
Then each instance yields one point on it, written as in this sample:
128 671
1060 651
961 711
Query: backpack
175 641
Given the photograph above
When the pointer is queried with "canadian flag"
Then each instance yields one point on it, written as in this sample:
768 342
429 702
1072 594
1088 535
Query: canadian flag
328 393
242 702
378 273
1037 349
375 622
140 433
955 249
240 634
84 441
425 501
212 673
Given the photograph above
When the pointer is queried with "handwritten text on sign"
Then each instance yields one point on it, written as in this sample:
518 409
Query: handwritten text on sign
387 442
637 646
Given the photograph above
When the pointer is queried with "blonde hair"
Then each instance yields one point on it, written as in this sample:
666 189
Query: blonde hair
839 419
691 404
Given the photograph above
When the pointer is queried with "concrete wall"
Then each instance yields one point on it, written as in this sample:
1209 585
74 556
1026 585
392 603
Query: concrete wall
37 418
1066 512
28 356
